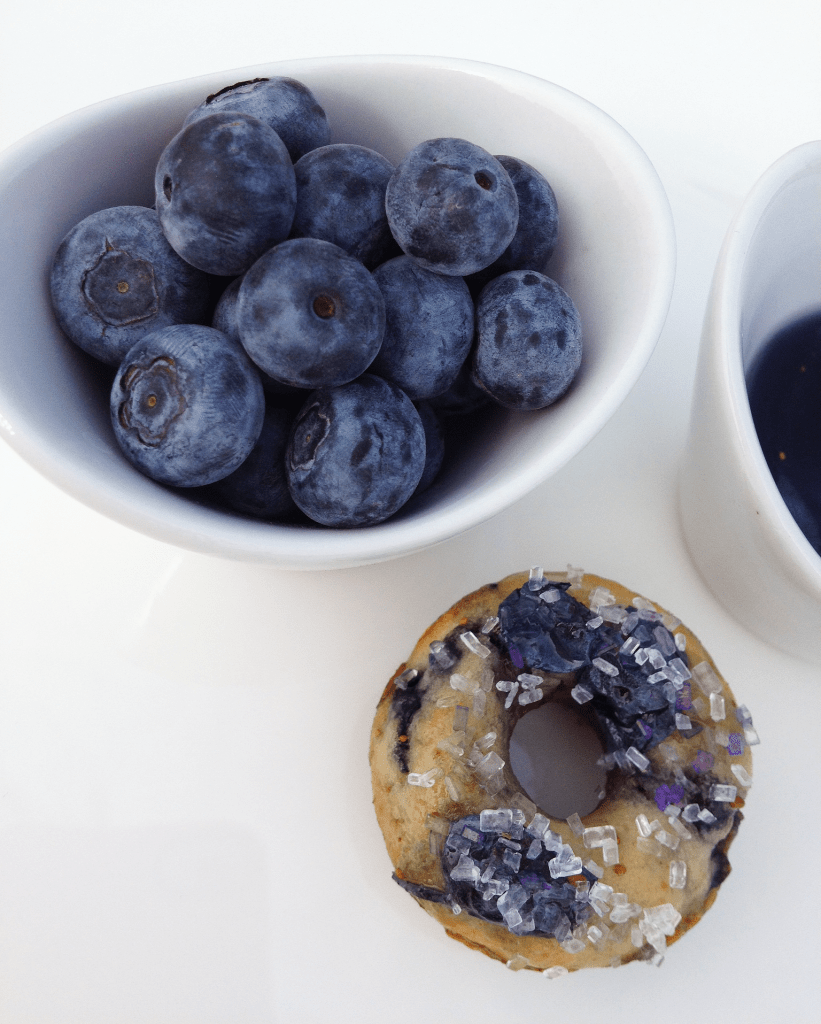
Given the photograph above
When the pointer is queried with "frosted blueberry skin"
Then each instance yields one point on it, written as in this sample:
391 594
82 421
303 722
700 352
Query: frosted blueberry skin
225 320
225 192
529 340
537 232
187 405
429 321
284 104
340 197
452 206
114 277
310 315
356 453
259 486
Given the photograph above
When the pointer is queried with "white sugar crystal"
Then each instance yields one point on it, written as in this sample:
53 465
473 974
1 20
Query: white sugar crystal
706 816
613 613
657 677
536 578
490 624
717 708
479 703
451 747
474 644
581 694
664 837
636 936
678 671
575 823
607 667
517 963
742 713
642 655
630 646
466 870
407 676
678 874
600 596
453 790
491 820
530 697
679 827
594 934
574 574
538 825
555 972
681 641
665 641
435 844
489 765
515 897
534 849
723 794
691 812
441 655
743 776
656 658
562 869
751 736
665 917
601 892
623 913
462 684
594 837
460 718
552 841
486 742
638 759
425 779
595 622
550 596
594 869
572 945
610 851
683 723
706 678
643 825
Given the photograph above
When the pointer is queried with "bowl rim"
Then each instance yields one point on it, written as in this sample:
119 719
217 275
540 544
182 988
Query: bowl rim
300 548
784 535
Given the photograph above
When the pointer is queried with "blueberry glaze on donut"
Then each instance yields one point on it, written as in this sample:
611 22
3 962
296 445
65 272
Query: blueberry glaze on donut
471 846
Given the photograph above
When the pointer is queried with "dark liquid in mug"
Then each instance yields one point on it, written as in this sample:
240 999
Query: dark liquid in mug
784 386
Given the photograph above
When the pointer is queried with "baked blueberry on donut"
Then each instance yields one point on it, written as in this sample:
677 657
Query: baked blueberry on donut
466 841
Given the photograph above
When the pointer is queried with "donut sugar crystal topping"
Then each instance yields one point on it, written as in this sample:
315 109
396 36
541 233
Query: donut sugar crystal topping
471 846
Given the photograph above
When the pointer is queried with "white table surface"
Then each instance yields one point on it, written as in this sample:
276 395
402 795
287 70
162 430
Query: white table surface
186 830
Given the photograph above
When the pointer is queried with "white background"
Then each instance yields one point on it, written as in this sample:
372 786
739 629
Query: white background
186 833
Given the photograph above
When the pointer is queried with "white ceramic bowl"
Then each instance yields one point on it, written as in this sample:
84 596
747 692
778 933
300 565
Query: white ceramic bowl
740 533
615 258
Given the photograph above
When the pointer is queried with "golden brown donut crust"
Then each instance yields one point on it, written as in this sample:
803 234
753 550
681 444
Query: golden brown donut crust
414 819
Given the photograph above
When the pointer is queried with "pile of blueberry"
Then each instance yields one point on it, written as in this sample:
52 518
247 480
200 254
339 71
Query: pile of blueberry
295 322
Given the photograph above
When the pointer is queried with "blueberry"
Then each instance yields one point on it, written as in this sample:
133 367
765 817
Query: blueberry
452 206
310 315
259 487
187 405
434 445
340 197
356 453
428 327
538 229
115 277
225 191
225 320
286 105
529 344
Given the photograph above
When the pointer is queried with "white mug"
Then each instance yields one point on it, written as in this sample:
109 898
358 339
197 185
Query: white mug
739 531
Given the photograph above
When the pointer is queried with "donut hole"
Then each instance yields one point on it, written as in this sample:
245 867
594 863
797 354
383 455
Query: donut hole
553 754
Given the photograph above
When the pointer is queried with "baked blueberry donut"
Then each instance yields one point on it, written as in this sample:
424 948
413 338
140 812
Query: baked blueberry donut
475 851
